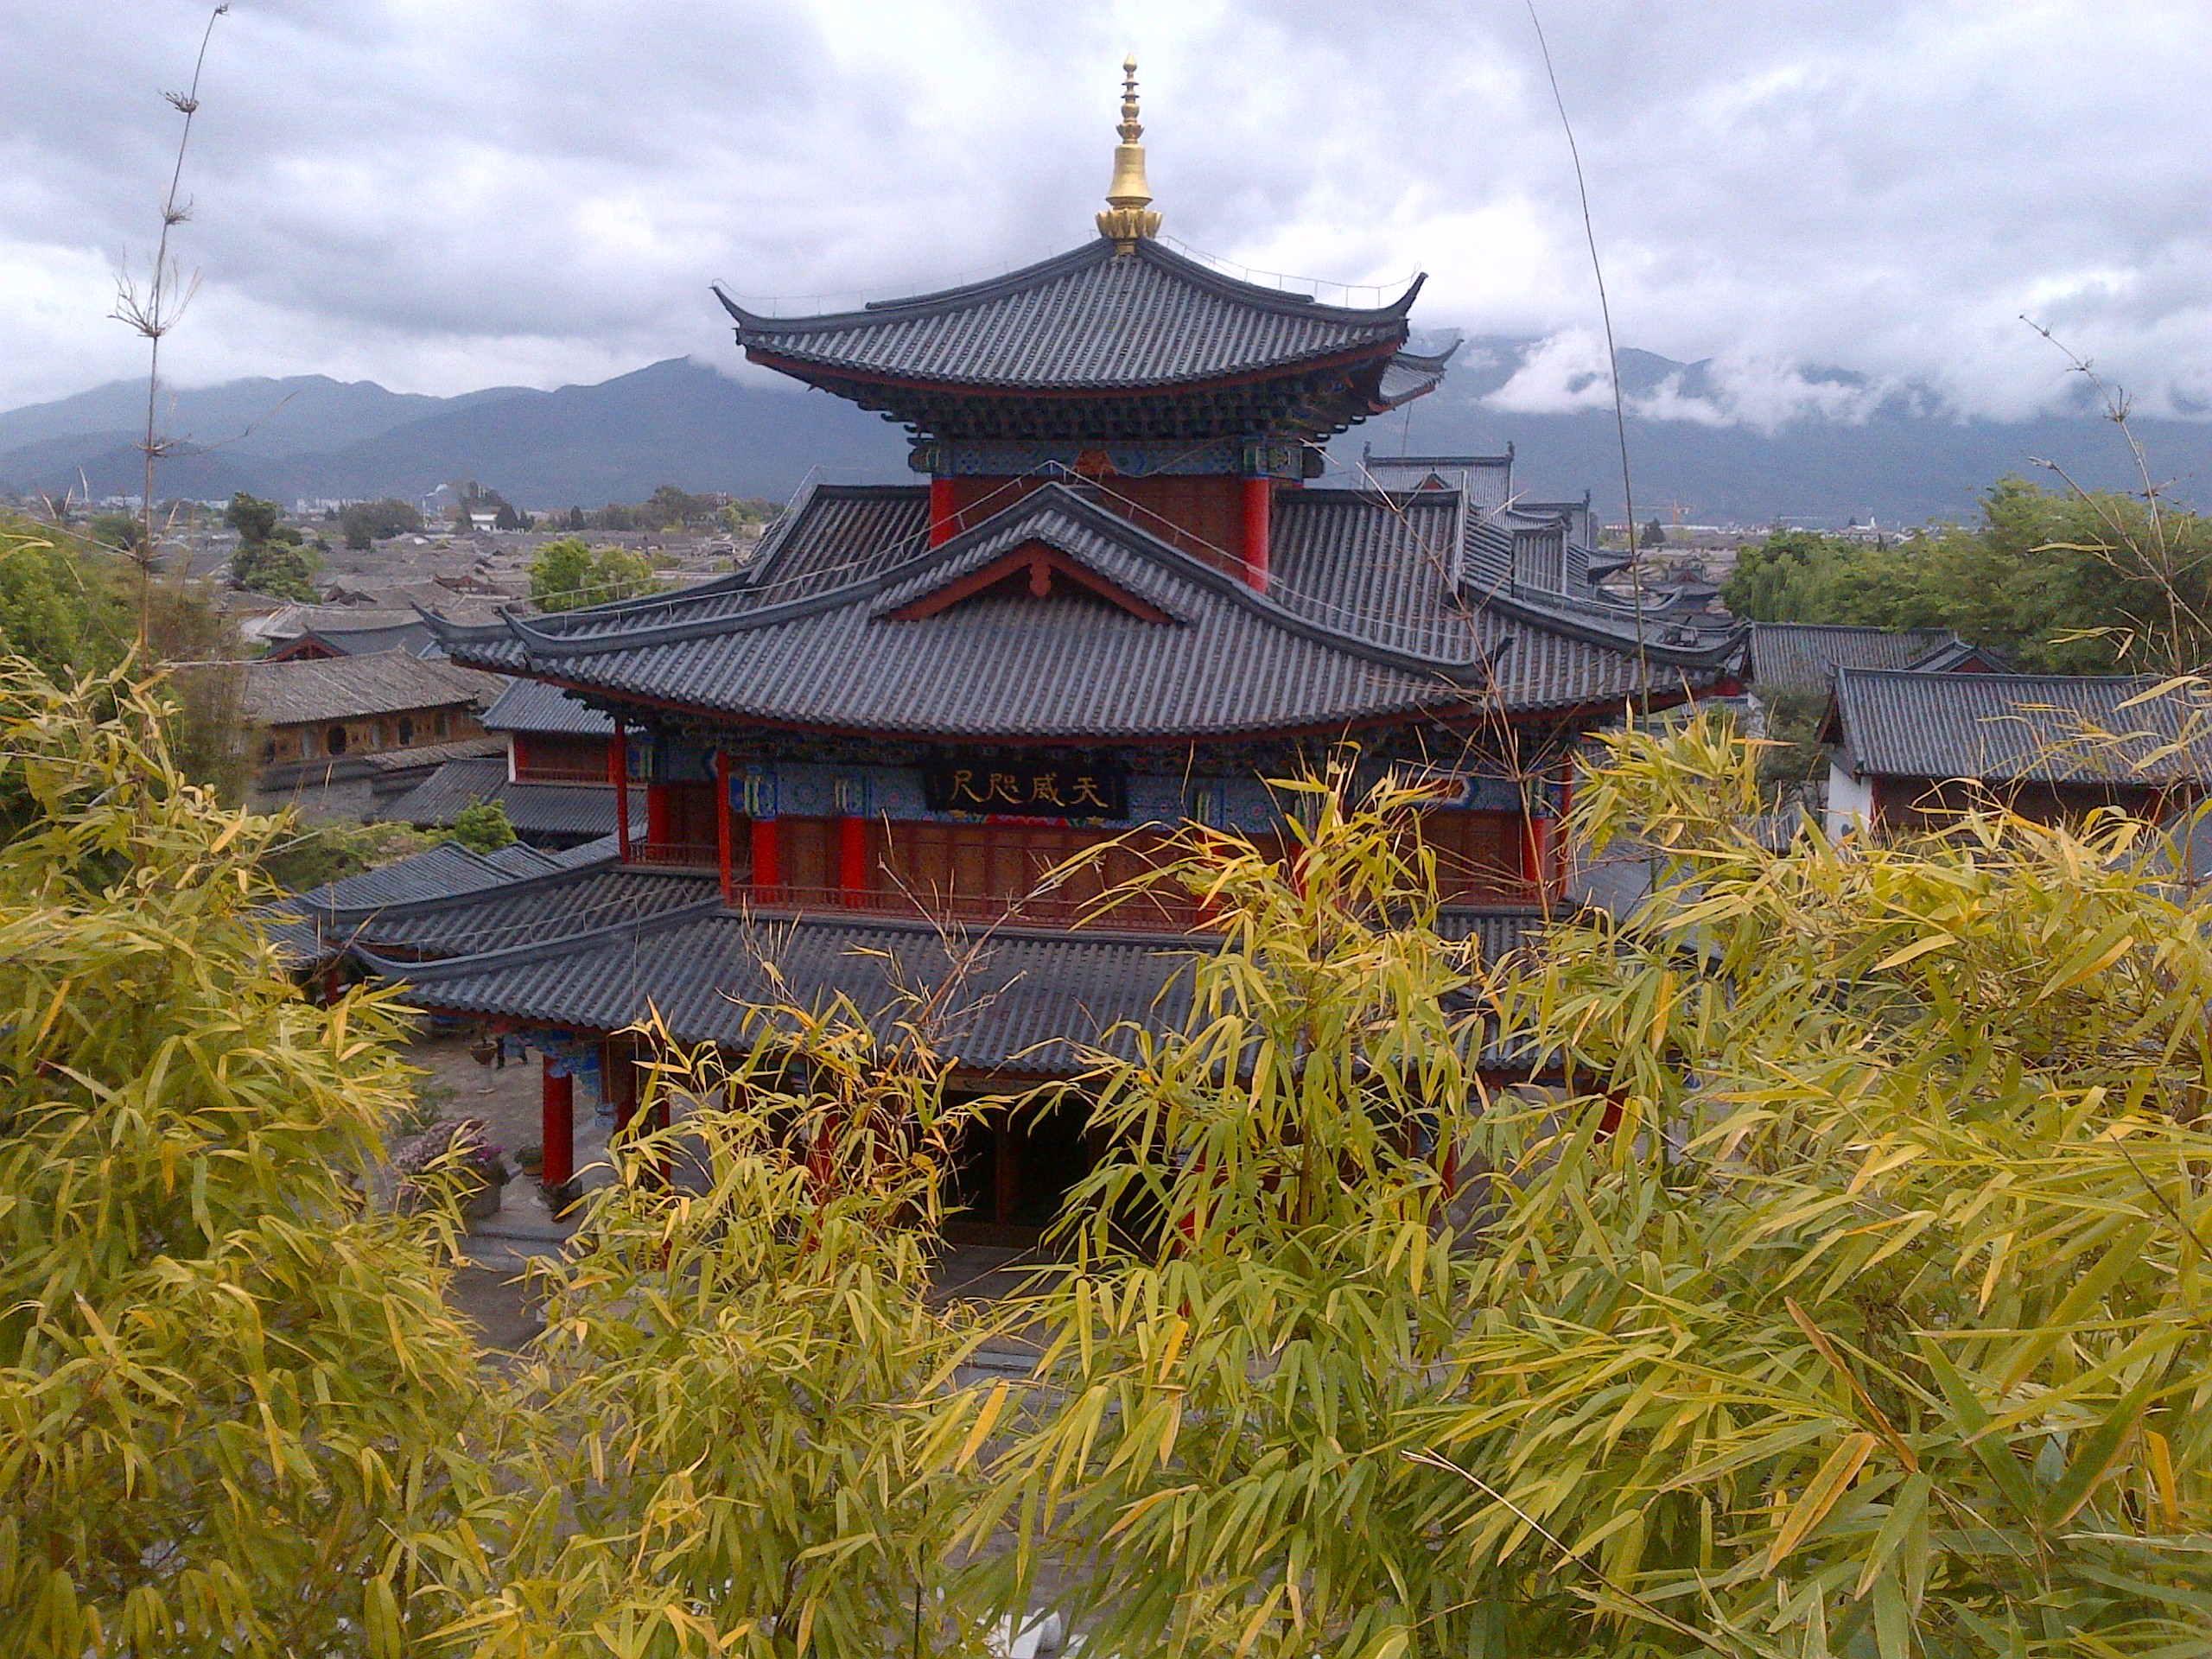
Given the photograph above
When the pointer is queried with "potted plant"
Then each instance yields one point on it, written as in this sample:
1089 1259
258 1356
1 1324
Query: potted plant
451 1155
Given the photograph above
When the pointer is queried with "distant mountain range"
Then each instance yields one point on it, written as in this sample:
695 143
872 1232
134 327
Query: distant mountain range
681 423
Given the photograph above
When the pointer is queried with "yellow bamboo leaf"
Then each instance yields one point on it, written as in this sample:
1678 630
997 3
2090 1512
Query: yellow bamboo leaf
1919 947
981 1431
2159 1456
1182 1329
1835 1476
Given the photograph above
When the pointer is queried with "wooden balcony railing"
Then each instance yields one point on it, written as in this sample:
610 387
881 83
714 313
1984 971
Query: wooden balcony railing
1149 913
536 773
704 857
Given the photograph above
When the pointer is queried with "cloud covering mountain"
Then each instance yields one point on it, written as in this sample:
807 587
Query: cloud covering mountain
1708 442
438 198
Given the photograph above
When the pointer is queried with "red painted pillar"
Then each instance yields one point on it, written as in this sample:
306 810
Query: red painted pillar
660 828
618 773
1559 828
944 517
557 1126
1259 495
722 826
765 873
852 856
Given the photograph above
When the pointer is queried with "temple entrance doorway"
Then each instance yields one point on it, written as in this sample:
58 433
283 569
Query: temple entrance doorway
1012 1169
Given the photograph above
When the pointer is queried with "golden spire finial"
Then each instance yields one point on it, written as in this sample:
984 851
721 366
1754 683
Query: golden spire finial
1128 217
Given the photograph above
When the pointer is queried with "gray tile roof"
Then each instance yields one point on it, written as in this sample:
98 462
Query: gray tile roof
1421 572
446 871
1380 607
544 910
1000 665
562 810
1086 319
347 688
2019 727
531 706
413 637
1025 1002
1804 656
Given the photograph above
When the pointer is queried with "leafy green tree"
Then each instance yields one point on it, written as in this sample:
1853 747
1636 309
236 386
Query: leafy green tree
565 574
67 614
366 522
1852 1301
2065 583
122 530
233 1409
312 853
254 520
281 569
483 827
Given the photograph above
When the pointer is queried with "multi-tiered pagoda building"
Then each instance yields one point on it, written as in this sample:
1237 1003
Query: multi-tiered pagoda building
1128 588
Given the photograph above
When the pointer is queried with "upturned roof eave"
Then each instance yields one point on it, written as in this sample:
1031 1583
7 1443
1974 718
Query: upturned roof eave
943 302
816 370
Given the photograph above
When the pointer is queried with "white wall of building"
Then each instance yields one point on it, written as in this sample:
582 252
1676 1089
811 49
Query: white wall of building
1851 800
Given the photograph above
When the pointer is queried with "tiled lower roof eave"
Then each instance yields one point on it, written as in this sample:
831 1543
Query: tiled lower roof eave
429 973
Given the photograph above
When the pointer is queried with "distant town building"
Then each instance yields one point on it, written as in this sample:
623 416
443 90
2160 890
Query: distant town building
1910 748
554 775
1800 658
341 735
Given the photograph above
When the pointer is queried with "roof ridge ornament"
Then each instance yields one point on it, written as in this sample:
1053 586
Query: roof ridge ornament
1128 219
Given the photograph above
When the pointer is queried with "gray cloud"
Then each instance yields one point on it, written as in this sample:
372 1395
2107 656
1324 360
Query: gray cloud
442 196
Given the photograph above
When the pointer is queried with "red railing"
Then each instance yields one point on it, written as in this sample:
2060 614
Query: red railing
534 774
1149 912
705 857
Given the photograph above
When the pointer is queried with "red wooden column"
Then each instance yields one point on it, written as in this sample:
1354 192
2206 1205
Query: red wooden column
852 857
1534 856
660 827
1259 497
618 773
557 1125
766 873
722 826
1558 871
944 516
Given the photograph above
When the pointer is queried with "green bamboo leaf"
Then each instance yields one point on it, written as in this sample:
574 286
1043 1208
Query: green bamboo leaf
2098 1450
1973 1424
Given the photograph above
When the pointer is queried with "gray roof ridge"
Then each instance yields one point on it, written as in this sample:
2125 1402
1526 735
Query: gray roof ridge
777 541
537 950
507 883
1849 627
1591 630
939 302
1917 676
978 934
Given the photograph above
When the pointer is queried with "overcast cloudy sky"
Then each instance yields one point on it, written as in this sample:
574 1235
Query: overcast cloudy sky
440 194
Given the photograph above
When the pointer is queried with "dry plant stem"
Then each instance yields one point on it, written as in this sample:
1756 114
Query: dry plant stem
2158 557
152 314
1612 358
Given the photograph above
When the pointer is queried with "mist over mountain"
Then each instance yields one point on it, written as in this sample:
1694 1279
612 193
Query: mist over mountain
1708 443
